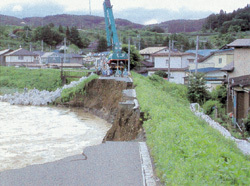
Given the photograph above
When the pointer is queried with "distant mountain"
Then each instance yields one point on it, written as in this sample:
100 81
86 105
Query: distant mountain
177 26
81 21
92 22
9 20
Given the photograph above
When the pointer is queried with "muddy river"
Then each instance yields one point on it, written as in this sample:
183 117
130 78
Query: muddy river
35 135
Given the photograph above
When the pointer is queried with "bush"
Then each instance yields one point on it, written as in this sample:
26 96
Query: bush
220 94
210 105
197 90
161 74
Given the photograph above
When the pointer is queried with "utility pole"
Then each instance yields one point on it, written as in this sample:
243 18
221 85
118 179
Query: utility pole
63 61
196 54
139 46
42 45
64 50
169 49
128 54
30 46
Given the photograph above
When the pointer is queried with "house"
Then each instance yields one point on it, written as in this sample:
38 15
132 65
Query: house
211 66
213 76
39 53
241 57
21 57
238 80
51 57
75 58
178 65
148 53
2 57
217 59
202 52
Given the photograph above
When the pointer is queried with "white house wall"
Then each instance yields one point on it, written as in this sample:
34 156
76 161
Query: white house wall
14 59
177 77
161 62
185 60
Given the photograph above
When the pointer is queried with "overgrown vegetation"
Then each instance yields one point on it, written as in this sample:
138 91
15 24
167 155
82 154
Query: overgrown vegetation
215 107
185 149
197 91
69 94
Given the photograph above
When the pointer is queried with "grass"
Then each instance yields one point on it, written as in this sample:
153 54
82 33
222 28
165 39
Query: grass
41 79
186 150
69 94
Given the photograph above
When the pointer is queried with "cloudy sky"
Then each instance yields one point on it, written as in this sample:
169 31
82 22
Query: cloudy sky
139 11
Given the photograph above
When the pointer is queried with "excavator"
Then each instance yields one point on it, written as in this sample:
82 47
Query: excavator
117 58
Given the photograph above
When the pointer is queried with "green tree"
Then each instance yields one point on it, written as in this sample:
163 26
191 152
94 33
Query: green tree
68 33
60 29
75 37
135 57
102 45
197 91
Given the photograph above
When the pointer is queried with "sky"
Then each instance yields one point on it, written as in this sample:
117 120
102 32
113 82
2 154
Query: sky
138 11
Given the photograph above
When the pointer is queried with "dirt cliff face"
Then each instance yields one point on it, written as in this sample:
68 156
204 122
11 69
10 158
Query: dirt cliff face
103 98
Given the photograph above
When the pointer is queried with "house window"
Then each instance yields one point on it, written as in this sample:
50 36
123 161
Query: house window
190 60
20 57
166 62
220 60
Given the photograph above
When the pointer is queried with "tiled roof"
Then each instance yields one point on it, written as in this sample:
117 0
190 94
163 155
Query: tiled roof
206 70
166 69
40 53
147 64
171 54
203 53
47 54
216 52
229 67
21 52
240 43
240 81
72 55
5 51
151 50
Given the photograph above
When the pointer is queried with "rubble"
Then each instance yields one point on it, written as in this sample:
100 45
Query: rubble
36 97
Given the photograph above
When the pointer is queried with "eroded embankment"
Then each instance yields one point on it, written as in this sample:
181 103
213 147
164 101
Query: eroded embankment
106 99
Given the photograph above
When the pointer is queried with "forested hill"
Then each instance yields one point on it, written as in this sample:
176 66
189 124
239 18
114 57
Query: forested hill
238 20
80 21
177 26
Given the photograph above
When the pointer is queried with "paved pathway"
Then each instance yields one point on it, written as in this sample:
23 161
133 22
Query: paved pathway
108 164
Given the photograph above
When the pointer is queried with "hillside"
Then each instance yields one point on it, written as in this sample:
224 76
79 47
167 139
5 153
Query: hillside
81 21
9 20
177 26
229 22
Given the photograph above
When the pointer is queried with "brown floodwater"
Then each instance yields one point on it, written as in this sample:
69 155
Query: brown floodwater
35 135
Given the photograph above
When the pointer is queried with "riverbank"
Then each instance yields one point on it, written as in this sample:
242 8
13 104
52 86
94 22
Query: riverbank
107 98
185 149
